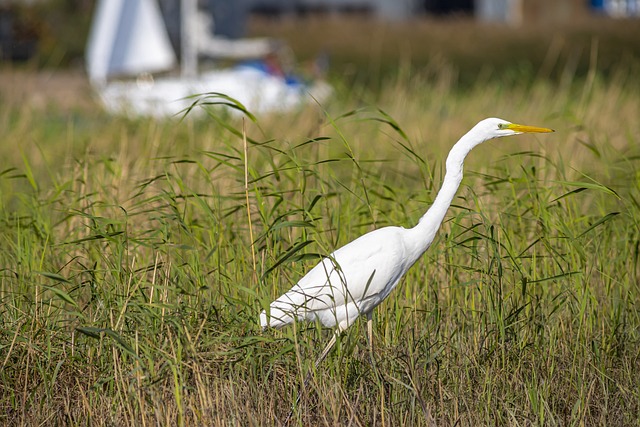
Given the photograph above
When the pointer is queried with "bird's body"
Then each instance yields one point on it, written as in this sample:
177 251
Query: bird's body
354 279
376 261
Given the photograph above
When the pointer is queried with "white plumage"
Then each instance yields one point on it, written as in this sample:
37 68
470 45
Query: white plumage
354 279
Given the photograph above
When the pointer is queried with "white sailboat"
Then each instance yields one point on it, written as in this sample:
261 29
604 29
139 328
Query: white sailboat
129 38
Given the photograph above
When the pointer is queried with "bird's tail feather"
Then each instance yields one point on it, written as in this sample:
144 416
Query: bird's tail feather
277 318
286 309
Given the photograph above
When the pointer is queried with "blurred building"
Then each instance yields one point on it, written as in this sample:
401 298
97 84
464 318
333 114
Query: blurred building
518 12
513 12
617 8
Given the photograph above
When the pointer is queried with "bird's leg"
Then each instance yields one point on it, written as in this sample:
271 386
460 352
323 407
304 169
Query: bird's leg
327 349
370 334
370 337
374 365
307 378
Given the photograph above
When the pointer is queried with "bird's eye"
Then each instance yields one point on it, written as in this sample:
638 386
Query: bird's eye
501 126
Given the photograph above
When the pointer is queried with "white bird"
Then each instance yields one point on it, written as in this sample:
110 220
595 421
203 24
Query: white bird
354 279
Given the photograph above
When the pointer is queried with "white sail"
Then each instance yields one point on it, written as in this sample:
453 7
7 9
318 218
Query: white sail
127 37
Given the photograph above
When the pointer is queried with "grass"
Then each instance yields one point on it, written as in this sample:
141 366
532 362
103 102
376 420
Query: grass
130 284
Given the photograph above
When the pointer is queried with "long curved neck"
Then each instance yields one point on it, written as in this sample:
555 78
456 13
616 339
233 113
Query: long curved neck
423 233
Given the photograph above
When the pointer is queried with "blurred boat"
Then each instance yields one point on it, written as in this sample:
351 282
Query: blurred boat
129 44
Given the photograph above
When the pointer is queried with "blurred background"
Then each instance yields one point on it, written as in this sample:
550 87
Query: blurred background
363 42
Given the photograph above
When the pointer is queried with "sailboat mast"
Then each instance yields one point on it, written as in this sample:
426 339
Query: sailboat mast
189 53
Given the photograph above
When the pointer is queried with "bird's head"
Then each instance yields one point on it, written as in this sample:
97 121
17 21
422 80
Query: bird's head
485 130
496 128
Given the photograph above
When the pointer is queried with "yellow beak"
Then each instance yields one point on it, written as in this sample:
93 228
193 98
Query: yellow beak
528 129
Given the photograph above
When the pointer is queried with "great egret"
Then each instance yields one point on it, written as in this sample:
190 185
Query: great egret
354 279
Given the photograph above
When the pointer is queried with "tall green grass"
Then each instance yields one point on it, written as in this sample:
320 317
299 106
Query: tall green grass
133 270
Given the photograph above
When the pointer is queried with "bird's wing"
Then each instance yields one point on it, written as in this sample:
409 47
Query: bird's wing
354 272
